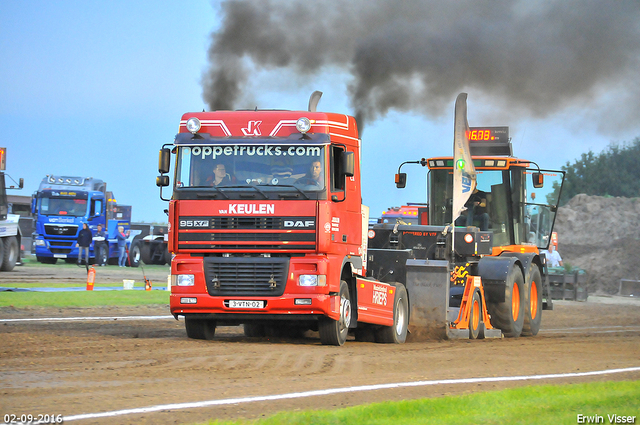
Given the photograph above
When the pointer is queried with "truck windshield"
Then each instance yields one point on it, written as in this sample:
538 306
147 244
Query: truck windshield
73 207
289 167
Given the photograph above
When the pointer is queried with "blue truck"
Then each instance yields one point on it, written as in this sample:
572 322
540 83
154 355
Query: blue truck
62 204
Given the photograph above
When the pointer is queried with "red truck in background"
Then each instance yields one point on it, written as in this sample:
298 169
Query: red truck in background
412 213
268 229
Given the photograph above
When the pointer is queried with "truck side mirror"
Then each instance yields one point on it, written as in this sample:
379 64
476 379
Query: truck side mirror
401 180
164 161
347 163
20 183
162 181
538 180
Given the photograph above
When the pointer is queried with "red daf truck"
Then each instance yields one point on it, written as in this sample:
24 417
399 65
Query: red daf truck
268 229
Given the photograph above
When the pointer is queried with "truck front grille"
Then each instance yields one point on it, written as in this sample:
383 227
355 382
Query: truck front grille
264 234
60 230
246 276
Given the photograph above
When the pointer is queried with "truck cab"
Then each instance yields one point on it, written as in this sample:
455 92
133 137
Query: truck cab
61 205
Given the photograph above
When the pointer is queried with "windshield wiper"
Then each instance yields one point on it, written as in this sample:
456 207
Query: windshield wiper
284 195
204 195
244 187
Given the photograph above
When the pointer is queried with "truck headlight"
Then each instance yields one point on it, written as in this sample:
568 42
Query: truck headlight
182 280
193 125
312 280
303 125
40 242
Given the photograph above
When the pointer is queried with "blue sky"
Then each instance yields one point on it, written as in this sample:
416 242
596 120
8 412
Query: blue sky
95 89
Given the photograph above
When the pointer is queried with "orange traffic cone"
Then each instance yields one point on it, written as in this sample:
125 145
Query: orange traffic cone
147 285
91 278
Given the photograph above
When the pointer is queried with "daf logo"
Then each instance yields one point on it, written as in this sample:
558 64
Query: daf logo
299 223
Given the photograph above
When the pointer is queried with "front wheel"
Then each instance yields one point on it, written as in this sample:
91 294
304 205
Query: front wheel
200 328
397 333
254 330
508 316
334 332
10 254
134 255
145 253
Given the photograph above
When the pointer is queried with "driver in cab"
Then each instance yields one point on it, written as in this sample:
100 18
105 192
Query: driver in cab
220 176
313 176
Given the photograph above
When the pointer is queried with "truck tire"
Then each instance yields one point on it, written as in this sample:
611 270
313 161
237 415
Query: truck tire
134 254
2 252
145 253
200 328
10 253
476 327
254 330
334 332
508 316
532 302
167 256
397 333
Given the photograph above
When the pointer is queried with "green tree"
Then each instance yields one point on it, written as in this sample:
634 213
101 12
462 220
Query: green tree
613 172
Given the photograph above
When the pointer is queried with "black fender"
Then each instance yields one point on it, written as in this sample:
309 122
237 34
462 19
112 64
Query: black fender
526 259
494 272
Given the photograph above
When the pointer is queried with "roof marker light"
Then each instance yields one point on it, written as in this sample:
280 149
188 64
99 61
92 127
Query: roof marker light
193 125
303 125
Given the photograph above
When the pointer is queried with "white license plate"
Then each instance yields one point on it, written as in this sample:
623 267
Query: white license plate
245 304
59 255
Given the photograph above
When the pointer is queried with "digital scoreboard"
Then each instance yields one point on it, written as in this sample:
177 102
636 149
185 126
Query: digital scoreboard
488 134
489 141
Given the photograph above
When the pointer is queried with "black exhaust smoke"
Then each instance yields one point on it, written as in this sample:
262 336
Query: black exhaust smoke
526 58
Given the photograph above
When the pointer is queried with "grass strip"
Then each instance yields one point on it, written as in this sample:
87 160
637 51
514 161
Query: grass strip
82 298
543 404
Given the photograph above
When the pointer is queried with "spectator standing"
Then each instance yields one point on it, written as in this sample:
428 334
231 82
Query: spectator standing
122 247
99 245
553 257
84 242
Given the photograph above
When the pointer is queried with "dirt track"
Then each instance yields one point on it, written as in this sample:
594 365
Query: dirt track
78 367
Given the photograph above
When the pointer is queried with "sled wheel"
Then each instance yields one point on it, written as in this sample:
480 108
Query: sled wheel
533 302
334 332
476 327
508 316
397 333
